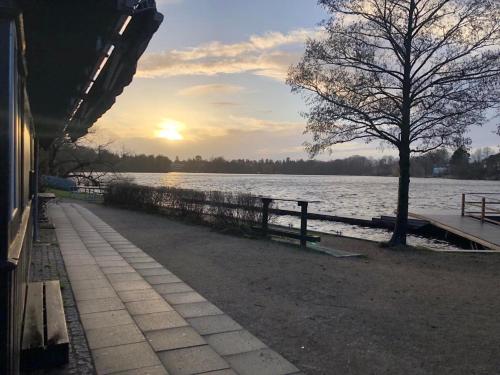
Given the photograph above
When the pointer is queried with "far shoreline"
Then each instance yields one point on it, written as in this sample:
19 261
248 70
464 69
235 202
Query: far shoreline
300 175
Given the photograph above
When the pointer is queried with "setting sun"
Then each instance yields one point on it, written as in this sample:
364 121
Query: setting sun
170 129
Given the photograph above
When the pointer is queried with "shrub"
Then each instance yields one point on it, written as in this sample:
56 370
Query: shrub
222 210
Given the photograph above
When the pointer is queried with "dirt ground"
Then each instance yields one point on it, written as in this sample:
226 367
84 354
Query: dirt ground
391 312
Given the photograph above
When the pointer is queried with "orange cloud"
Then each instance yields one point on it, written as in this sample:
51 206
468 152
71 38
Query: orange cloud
260 55
200 90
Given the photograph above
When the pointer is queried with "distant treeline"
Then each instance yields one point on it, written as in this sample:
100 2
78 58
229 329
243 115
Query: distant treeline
483 164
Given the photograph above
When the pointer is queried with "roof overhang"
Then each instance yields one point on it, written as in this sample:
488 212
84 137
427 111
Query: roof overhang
80 55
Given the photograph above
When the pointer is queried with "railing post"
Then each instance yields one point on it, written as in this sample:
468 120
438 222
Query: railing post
463 204
265 214
483 208
303 223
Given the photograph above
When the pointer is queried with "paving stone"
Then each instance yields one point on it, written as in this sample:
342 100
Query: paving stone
172 288
83 269
154 272
174 338
71 246
100 305
221 372
113 336
77 285
138 295
74 252
148 306
108 258
154 370
130 285
192 310
180 298
101 249
96 293
136 254
106 319
160 320
162 279
113 263
207 325
195 360
79 261
129 251
129 276
140 259
111 270
143 266
229 343
124 357
85 275
262 362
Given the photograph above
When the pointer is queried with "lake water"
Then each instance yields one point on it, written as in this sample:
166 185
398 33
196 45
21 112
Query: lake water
356 196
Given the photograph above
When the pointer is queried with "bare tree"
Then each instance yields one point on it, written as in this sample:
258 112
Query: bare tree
412 73
76 159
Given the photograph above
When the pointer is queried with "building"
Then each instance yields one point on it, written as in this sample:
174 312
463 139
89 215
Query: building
439 171
65 63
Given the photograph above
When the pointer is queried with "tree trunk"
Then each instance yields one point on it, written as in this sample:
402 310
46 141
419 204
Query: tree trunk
401 228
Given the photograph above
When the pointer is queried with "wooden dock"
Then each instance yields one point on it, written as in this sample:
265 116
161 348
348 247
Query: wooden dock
473 229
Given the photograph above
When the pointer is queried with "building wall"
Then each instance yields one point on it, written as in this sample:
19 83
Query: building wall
16 190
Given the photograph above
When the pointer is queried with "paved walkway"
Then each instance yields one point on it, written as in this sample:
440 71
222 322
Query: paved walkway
139 318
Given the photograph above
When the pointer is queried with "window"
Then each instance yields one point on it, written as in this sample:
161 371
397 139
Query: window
14 124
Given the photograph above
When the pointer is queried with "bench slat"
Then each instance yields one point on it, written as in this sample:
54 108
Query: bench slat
57 332
33 319
57 347
45 340
289 233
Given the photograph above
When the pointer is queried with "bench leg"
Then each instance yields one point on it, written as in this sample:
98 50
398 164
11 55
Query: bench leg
303 223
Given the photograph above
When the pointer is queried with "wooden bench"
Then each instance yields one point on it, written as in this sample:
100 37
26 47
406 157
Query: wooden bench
45 341
43 199
290 233
303 236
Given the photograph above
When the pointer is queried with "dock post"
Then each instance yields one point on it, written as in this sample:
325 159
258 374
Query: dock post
265 214
463 204
483 208
303 223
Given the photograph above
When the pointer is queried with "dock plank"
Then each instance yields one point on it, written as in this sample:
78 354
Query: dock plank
485 234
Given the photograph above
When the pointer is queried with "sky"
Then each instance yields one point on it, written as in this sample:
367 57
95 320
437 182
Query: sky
212 83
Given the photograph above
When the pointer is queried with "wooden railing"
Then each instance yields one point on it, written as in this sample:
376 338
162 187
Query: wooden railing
481 206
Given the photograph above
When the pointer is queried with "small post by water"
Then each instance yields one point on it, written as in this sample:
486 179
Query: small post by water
483 208
303 223
265 214
463 204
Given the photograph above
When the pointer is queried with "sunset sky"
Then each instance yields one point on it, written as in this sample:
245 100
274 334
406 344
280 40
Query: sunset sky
211 83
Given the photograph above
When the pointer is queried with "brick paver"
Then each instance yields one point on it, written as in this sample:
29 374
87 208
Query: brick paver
140 318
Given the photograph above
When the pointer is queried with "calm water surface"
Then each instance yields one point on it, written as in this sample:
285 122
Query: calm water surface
357 196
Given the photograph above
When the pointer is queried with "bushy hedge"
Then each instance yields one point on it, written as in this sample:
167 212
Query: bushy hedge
219 209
